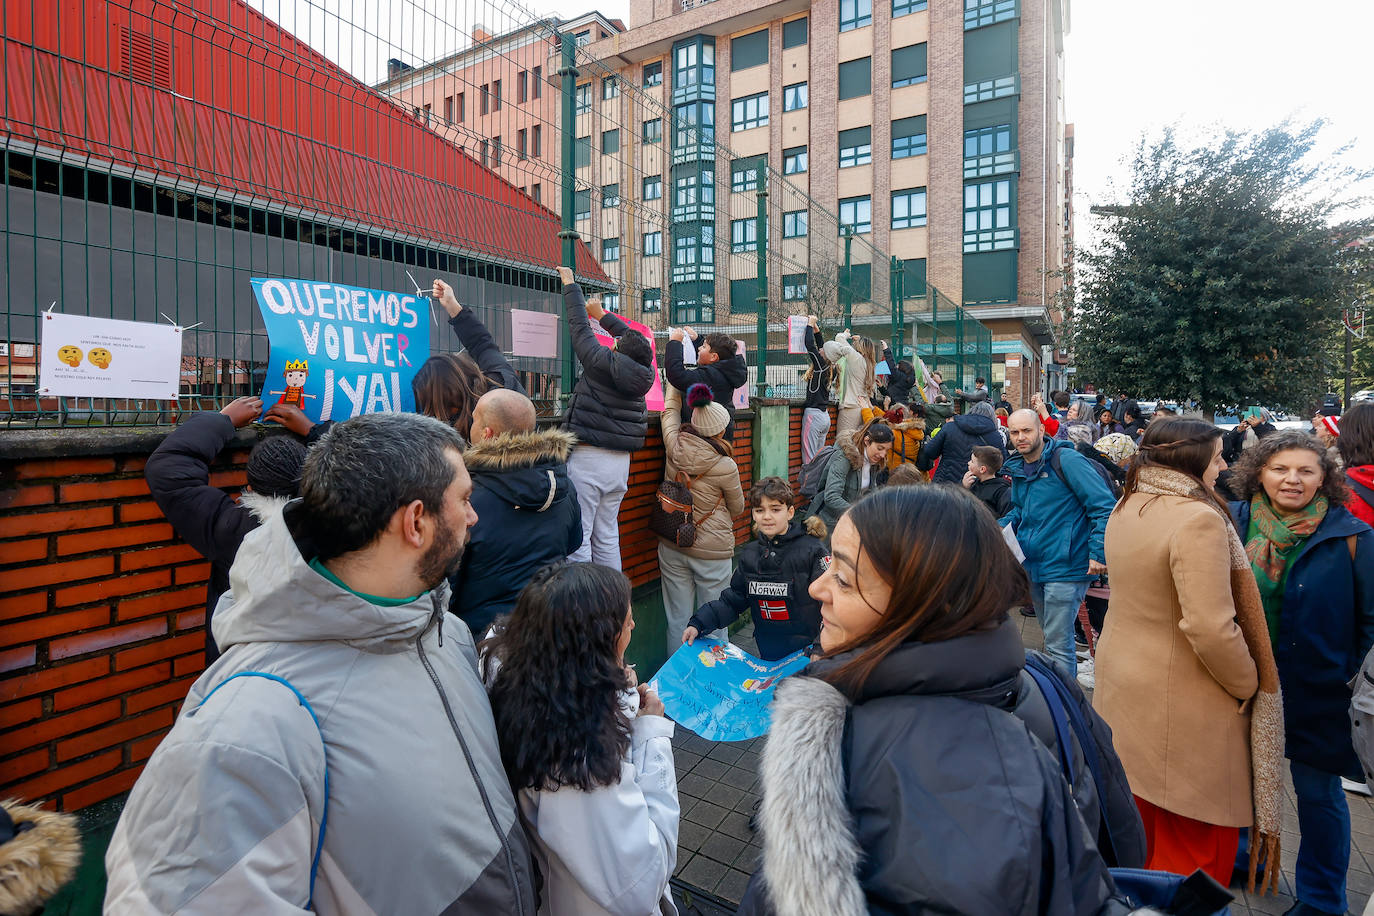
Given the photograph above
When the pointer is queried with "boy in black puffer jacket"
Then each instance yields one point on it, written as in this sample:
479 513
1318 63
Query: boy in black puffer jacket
774 577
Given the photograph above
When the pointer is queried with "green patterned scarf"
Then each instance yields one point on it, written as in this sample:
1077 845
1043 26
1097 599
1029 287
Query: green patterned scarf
1272 540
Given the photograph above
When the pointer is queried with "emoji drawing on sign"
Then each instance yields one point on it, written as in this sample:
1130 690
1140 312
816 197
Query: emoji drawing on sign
70 355
296 372
99 357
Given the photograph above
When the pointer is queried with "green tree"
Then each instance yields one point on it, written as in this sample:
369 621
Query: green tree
1220 278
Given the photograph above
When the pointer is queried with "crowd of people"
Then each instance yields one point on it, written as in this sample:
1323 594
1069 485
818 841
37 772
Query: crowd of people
418 699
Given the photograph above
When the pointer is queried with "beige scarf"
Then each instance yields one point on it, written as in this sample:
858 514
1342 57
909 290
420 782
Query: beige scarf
1266 715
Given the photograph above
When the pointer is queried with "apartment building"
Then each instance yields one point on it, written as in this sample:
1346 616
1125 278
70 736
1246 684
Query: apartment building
933 131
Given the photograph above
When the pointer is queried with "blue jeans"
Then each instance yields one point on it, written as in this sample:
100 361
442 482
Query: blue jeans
1324 849
1056 606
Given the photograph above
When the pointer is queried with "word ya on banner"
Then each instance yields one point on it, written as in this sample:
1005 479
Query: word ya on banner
340 351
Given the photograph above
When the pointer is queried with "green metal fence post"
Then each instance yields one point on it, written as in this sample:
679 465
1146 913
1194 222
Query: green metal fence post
761 240
896 283
568 233
847 287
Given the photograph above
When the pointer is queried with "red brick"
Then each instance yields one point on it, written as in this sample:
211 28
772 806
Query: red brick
23 605
158 556
142 748
142 511
68 520
16 768
107 638
160 650
190 619
124 730
189 664
113 538
55 727
133 465
53 781
65 467
185 575
52 678
27 496
100 790
103 489
133 608
24 551
114 586
14 659
229 479
239 456
50 625
18 713
112 685
173 692
39 575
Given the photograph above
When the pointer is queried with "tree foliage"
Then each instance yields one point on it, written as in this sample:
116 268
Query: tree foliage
1221 278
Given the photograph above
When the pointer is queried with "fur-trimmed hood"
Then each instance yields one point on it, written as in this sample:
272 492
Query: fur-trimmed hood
509 451
263 508
528 471
851 451
38 860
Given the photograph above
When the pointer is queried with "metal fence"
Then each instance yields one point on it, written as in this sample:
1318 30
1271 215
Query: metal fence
158 154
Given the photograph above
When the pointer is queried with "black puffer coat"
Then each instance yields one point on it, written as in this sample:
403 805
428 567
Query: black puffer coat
481 346
954 445
607 406
899 383
723 377
527 518
818 386
926 795
772 582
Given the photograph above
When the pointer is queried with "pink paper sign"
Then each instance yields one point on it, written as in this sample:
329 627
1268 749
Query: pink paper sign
654 399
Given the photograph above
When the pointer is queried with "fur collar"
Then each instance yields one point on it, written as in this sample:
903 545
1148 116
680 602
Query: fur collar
263 508
509 451
35 864
851 451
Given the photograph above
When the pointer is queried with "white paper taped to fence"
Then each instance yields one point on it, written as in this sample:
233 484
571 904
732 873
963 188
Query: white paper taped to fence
533 333
85 357
796 333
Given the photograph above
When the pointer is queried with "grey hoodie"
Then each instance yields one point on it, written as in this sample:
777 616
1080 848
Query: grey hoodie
421 819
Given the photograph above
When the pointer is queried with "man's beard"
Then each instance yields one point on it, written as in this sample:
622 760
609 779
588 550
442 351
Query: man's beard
442 559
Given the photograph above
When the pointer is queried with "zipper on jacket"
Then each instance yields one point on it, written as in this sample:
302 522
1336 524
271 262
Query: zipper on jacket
467 755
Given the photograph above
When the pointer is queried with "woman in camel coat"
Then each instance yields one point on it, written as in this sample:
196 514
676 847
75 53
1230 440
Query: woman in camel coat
1175 672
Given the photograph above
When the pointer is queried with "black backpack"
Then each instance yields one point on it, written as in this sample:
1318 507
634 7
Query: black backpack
811 477
1112 486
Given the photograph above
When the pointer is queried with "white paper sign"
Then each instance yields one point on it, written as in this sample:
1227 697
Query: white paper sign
1013 544
533 333
689 349
796 333
741 397
104 358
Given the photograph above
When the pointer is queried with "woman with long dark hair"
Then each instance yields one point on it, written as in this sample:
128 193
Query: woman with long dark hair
448 386
587 750
897 778
1356 445
1183 652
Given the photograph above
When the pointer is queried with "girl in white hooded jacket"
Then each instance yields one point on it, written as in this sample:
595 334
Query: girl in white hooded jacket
587 749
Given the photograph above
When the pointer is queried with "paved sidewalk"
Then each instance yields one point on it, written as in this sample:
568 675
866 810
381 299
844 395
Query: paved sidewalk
718 786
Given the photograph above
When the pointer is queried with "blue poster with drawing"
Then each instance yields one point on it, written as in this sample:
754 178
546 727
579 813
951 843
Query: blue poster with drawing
340 351
720 691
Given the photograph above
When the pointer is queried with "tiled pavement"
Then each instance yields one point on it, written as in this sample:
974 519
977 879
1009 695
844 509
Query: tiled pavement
717 850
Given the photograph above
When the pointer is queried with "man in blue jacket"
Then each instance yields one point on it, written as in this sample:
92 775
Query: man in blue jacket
1060 507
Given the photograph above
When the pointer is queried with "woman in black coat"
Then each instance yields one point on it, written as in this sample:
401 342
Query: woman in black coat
897 778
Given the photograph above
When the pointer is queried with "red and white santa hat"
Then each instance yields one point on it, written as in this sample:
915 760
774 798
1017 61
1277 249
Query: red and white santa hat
1330 424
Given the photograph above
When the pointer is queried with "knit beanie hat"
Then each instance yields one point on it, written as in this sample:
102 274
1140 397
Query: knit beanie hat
1330 424
708 417
274 466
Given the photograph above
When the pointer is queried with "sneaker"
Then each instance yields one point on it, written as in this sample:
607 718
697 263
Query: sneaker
1359 788
1085 674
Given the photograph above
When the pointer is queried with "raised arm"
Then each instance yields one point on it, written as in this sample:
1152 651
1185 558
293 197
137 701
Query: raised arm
476 339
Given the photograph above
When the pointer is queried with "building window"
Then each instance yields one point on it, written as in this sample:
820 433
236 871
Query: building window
794 160
537 142
610 141
692 189
610 196
793 287
611 301
584 98
652 299
653 243
749 50
989 221
744 235
653 187
653 130
522 143
984 90
485 148
583 38
610 89
486 99
496 150
858 279
856 147
537 192
522 83
495 95
794 224
653 74
909 65
538 82
684 251
749 112
582 204
988 151
582 153
906 7
610 252
794 33
694 123
909 137
856 78
448 108
694 63
794 97
855 14
986 12
744 174
856 214
909 208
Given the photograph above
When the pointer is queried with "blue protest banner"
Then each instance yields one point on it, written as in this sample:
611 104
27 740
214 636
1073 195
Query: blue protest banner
340 351
720 691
